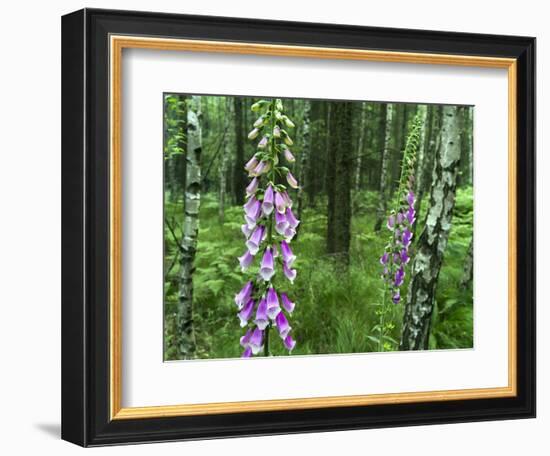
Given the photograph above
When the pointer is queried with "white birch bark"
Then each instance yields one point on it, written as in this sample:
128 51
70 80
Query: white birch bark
187 343
432 242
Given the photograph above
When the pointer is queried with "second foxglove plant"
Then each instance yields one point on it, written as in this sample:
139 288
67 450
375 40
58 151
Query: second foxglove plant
397 253
270 226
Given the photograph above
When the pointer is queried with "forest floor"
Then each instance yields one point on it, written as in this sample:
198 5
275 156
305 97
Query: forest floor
337 308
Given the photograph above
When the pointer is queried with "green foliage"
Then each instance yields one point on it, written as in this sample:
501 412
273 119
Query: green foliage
336 311
174 121
452 321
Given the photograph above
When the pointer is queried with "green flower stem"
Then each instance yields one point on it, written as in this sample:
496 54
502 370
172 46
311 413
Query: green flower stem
270 227
382 322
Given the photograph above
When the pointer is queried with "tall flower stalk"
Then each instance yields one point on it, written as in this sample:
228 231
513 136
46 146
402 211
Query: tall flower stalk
269 228
397 252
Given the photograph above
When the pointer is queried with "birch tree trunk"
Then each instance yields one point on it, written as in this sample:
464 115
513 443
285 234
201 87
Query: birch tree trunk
303 160
187 343
360 146
382 202
433 240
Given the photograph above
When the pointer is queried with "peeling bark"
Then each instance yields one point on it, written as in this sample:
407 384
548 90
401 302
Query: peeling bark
433 239
382 203
187 344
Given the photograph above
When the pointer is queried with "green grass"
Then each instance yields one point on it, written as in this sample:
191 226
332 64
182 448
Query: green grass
336 309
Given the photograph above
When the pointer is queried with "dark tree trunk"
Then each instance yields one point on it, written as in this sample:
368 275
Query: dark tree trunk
399 139
360 145
433 240
378 139
432 146
239 175
327 154
382 202
466 159
424 150
316 147
187 344
330 176
339 209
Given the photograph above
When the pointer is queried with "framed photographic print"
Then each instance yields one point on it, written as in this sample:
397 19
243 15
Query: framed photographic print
278 227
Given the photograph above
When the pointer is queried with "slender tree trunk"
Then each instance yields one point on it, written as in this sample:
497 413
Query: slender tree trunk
433 240
304 152
328 171
330 176
399 140
239 175
468 273
379 137
187 344
466 165
382 202
313 166
424 148
360 146
433 140
224 160
422 112
339 209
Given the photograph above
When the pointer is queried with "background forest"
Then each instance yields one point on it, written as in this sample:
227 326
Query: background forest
349 160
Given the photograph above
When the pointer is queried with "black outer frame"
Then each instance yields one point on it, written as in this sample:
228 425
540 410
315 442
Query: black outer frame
85 227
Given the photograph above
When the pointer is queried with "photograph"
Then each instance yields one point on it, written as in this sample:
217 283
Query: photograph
315 227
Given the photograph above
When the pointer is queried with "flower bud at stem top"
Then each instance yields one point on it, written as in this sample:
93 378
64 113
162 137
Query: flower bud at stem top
256 106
